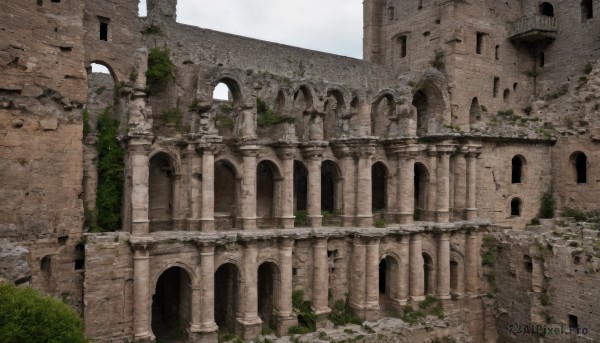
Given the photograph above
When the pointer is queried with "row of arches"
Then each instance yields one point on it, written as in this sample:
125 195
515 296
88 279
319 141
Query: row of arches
165 178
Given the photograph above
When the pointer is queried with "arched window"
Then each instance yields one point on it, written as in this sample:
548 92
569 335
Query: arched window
420 102
515 207
587 10
402 45
579 161
474 111
547 9
506 95
517 169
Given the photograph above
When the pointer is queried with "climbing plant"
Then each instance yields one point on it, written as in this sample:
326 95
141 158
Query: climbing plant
160 68
111 174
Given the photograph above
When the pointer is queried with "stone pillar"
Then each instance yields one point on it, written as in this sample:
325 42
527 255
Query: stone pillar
142 295
393 181
138 154
403 275
90 171
194 188
207 280
349 185
407 188
417 277
320 289
372 280
432 187
460 186
471 263
177 222
443 185
471 186
286 154
250 321
358 277
285 310
313 155
248 187
364 201
208 189
443 266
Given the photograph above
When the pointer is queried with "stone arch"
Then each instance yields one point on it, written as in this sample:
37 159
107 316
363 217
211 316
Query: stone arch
431 103
227 198
268 288
280 102
379 186
228 296
300 193
457 272
429 273
383 110
189 270
303 108
506 95
389 277
163 186
474 111
116 78
331 186
268 189
546 9
171 303
233 84
516 207
518 169
334 107
46 265
421 184
579 162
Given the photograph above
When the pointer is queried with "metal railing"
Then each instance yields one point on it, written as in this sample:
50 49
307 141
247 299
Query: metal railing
534 23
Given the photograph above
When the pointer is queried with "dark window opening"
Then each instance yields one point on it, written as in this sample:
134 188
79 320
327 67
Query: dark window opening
55 1
104 29
496 86
542 59
528 264
402 40
382 276
62 240
515 85
506 95
479 47
517 169
40 2
515 207
547 9
573 323
391 13
497 55
587 9
79 256
46 265
474 111
581 166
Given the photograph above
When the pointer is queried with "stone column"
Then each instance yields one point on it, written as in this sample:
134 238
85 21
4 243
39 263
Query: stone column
285 310
364 201
313 155
207 281
286 154
349 185
443 185
320 289
208 189
142 295
372 280
471 186
248 187
195 175
250 321
358 277
177 222
443 266
403 276
138 154
460 186
392 181
90 171
471 263
417 277
432 187
407 188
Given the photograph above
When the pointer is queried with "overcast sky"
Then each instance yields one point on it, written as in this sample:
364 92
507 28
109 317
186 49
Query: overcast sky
333 26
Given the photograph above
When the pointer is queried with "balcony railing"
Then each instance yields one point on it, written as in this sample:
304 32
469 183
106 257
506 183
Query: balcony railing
533 28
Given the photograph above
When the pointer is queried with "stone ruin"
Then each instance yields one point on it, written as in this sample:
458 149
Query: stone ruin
421 170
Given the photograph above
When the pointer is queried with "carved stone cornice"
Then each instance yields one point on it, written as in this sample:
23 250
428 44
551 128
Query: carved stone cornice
142 243
285 150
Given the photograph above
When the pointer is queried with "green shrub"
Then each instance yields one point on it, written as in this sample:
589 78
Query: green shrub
411 316
547 205
381 223
544 299
111 175
266 117
87 129
173 116
587 68
340 314
160 68
489 257
535 221
26 316
307 318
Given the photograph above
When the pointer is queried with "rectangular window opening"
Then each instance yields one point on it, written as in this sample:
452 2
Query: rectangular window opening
496 86
104 28
403 48
479 47
573 322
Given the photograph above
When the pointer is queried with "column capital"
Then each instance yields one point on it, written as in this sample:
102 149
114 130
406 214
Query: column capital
139 144
341 150
208 148
286 242
248 150
205 247
313 150
286 150
445 149
142 243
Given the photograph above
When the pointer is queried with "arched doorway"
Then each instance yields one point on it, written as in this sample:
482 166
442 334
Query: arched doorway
518 162
474 111
420 102
331 197
421 191
382 110
389 273
267 188
300 193
171 305
226 195
546 9
160 192
227 296
428 274
379 179
268 283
